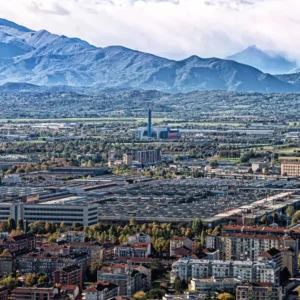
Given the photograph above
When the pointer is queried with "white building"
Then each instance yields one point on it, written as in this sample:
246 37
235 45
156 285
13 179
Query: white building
203 285
264 271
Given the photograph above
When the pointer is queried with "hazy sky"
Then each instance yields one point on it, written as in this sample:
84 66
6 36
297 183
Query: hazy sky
171 28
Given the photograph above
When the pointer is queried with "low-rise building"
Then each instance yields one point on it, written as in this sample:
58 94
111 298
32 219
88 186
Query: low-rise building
258 291
176 242
74 236
204 285
133 250
94 250
33 293
101 291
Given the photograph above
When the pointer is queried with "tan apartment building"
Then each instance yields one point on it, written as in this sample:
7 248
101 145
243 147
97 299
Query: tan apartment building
258 291
291 168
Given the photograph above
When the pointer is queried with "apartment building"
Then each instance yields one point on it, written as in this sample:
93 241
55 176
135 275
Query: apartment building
32 293
204 285
94 250
262 230
142 156
70 275
3 292
7 264
19 243
265 271
240 246
127 158
290 168
101 291
133 250
124 276
139 237
177 242
259 291
73 236
47 263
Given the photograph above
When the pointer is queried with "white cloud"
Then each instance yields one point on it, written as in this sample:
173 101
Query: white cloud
172 28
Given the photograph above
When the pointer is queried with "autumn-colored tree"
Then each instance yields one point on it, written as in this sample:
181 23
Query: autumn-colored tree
140 295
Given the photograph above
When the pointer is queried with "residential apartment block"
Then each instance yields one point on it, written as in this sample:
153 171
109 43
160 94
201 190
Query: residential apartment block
47 263
240 246
177 242
71 275
258 291
291 168
133 250
101 291
124 276
264 271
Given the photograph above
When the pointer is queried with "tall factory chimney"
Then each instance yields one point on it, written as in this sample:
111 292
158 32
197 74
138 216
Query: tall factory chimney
150 123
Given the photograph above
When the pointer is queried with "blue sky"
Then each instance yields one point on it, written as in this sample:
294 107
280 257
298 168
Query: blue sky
171 28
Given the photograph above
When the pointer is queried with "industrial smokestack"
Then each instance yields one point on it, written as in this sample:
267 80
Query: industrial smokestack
150 123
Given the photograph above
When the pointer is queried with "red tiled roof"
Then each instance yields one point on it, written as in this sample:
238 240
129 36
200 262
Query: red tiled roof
135 259
177 238
261 228
251 236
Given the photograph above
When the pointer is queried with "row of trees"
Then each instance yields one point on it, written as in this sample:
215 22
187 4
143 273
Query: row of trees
160 233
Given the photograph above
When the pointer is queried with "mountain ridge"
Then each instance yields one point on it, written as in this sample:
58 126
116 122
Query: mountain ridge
43 58
255 57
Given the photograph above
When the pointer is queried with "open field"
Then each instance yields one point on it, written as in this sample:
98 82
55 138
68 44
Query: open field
155 120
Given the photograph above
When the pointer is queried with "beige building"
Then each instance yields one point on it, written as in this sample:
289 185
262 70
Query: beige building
290 168
177 242
258 291
239 246
127 159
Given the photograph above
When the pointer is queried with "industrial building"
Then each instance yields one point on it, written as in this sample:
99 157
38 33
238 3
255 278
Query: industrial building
157 132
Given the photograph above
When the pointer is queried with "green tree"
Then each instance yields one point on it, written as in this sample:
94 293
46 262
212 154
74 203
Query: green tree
91 272
132 222
290 210
264 219
43 279
177 285
4 226
20 224
11 224
30 280
197 226
155 294
202 238
63 227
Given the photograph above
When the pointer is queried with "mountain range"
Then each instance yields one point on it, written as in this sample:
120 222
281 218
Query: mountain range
42 58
